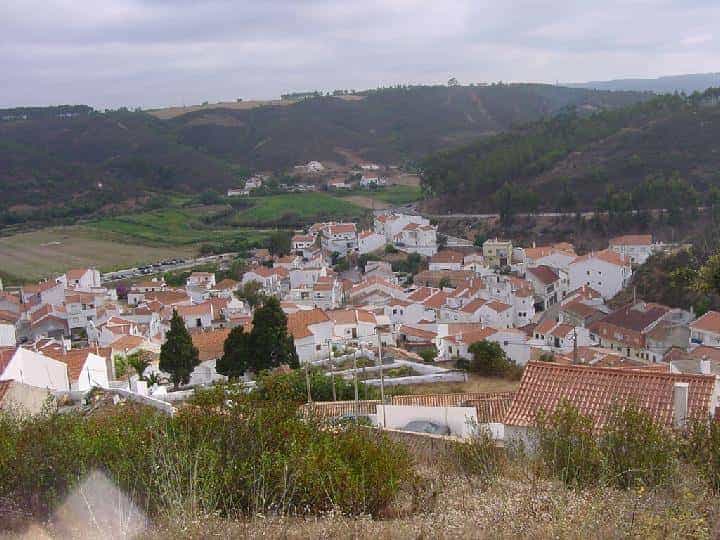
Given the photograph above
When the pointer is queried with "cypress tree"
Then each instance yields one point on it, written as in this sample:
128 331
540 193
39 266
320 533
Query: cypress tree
236 352
178 355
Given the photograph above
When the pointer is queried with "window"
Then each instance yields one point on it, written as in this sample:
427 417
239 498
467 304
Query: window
198 323
318 347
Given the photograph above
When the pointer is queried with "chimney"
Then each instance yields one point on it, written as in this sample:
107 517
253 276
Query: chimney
705 366
680 404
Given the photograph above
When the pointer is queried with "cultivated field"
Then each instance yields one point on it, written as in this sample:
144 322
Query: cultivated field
34 255
294 207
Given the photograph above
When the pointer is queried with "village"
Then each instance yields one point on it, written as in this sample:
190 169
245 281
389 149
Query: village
548 309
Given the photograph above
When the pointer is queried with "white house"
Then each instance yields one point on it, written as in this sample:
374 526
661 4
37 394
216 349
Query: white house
81 278
267 278
637 248
354 324
85 368
81 307
204 280
302 242
33 369
706 330
447 259
369 241
340 238
414 238
7 333
605 271
312 331
197 316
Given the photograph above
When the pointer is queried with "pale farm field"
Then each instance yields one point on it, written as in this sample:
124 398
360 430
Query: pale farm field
43 253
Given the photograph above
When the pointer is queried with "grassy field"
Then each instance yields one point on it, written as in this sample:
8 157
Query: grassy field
390 196
296 207
33 255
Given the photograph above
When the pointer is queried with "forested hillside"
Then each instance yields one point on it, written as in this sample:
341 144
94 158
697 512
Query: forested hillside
74 161
388 125
662 153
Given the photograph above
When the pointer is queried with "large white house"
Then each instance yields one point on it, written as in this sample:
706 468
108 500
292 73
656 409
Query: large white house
705 330
33 369
605 271
339 238
637 248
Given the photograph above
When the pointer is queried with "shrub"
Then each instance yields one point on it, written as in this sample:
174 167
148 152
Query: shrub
478 457
292 386
637 450
702 448
239 459
428 355
567 446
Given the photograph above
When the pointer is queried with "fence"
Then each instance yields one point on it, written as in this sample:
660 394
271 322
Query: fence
334 409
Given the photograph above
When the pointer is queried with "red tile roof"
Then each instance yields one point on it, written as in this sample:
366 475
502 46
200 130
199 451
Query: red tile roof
210 345
447 256
299 322
605 255
594 391
709 322
544 274
632 240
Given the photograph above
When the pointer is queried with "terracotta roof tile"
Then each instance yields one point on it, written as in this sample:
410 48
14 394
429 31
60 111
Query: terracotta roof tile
710 322
210 345
595 390
632 240
300 321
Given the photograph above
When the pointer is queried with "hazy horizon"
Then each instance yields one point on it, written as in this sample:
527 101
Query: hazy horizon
157 53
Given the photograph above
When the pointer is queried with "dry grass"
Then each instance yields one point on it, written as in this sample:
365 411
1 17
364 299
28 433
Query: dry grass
366 202
517 505
38 254
475 383
171 112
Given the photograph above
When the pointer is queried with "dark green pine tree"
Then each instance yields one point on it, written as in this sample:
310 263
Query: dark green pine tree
236 354
178 356
271 344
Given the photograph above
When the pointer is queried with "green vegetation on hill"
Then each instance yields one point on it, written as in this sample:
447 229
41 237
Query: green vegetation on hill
655 154
60 163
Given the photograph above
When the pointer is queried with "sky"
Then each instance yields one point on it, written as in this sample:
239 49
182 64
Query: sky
150 53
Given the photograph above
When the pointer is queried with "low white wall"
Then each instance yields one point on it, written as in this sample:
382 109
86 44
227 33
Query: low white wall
448 376
460 420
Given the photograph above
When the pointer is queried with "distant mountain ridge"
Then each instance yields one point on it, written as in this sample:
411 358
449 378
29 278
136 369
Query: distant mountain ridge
693 82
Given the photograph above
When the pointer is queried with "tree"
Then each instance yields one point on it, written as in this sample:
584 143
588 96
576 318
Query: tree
708 278
252 293
444 283
236 352
178 355
139 361
279 243
271 345
488 359
479 240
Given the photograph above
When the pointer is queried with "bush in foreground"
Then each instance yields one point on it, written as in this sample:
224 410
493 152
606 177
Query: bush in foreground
630 450
240 459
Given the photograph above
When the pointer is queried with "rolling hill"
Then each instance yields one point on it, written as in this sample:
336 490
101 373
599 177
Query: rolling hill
655 154
694 82
72 161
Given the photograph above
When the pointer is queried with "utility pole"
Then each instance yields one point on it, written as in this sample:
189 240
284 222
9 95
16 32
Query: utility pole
357 396
307 381
332 369
382 376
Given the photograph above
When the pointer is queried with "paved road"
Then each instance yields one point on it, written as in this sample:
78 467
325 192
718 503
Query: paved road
184 264
540 214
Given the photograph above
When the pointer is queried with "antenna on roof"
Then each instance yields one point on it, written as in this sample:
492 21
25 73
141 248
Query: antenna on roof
575 348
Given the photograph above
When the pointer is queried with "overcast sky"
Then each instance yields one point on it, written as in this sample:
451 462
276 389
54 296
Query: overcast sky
109 53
